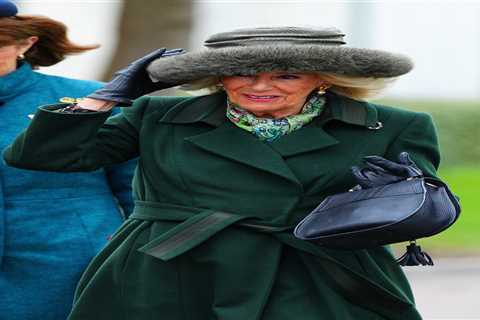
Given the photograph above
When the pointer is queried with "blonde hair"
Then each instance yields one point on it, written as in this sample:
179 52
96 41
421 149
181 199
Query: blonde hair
358 88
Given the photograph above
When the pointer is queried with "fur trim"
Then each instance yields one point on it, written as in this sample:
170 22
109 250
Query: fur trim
229 61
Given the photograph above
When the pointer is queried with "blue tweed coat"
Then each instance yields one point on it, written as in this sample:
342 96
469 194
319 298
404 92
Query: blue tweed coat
51 224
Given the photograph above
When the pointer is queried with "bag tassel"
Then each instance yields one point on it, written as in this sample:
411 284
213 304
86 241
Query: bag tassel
415 256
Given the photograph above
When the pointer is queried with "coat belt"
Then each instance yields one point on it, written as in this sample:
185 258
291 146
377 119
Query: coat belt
196 225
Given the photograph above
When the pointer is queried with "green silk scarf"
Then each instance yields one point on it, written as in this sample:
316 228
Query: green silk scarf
269 129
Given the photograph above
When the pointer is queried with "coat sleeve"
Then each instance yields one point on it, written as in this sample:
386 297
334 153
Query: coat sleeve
419 139
77 142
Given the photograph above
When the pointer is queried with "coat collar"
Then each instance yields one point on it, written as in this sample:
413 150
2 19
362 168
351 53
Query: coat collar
17 82
350 111
211 109
228 141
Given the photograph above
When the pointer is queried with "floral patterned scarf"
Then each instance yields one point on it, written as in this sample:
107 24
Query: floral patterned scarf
269 129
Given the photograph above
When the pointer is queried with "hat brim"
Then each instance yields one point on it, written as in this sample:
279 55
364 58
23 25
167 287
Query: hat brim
245 60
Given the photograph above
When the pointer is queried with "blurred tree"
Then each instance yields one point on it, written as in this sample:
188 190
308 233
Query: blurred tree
146 25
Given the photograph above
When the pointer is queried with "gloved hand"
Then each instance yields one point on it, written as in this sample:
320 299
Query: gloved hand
133 81
380 171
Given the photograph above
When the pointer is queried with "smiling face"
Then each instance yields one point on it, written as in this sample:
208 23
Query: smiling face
271 94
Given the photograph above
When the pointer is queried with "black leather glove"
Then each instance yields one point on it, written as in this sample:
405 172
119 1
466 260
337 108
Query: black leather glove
133 81
380 171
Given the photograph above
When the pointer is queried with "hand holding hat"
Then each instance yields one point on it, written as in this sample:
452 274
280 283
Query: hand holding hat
7 9
133 81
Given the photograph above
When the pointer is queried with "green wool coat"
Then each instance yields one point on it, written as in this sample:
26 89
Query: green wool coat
210 236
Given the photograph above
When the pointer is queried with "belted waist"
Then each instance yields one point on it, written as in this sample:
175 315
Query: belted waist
196 225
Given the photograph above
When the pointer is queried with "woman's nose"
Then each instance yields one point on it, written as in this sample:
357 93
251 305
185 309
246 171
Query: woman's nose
261 83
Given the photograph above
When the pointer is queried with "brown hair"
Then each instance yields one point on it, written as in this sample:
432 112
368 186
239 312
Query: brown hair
52 45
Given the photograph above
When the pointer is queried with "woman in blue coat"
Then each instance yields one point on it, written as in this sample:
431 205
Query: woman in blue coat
51 224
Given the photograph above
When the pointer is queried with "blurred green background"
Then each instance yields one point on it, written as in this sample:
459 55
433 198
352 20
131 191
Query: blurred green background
458 124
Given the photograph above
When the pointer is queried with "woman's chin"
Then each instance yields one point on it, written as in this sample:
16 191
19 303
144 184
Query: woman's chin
259 108
258 105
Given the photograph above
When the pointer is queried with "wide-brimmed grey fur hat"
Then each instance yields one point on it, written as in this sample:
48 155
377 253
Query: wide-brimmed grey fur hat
290 49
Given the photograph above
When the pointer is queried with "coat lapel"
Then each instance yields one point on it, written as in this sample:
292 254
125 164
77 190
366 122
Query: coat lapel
227 140
239 145
350 111
313 137
308 139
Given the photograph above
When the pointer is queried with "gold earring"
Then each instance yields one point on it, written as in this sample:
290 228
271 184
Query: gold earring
323 88
21 56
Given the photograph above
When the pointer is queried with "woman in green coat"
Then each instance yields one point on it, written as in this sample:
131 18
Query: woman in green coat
223 178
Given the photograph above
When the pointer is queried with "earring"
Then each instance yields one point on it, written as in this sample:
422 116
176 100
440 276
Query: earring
323 88
21 56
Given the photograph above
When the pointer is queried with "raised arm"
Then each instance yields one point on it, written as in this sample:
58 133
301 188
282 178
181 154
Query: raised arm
77 138
77 142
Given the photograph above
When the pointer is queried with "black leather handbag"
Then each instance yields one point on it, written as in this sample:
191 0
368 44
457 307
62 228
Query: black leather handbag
363 218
